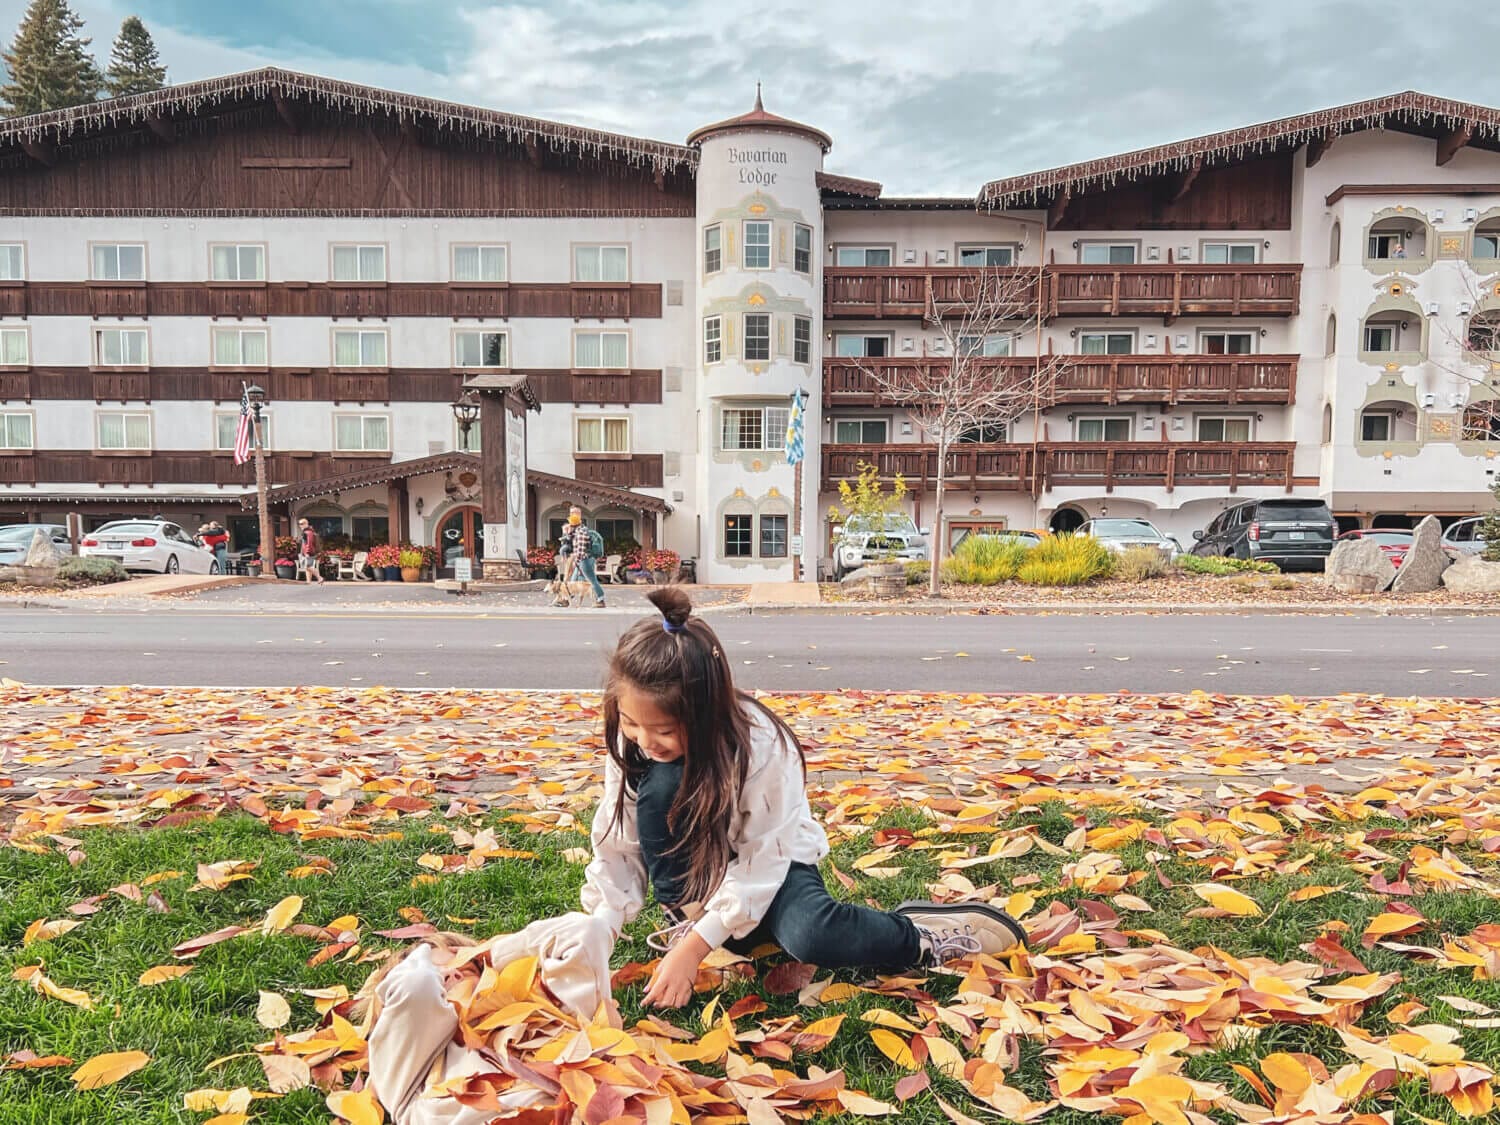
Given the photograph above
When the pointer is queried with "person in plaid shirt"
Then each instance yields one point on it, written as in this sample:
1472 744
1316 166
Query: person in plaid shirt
583 558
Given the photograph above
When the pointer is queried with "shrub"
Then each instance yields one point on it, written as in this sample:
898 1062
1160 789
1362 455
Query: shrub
288 547
90 571
917 573
1198 564
383 555
1282 582
409 558
1066 560
985 560
1140 563
1489 529
662 559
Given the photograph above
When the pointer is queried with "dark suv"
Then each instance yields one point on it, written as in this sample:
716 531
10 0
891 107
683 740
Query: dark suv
1287 532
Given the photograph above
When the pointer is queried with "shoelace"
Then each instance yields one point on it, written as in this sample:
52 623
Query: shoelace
663 940
949 945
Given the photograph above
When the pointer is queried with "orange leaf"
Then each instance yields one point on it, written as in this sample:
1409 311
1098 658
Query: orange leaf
106 1070
160 974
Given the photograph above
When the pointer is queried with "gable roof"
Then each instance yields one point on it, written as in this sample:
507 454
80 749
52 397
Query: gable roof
1407 112
234 91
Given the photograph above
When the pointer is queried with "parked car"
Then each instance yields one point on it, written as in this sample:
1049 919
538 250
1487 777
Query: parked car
1285 531
15 541
1394 543
1120 535
858 543
150 545
1005 534
1463 538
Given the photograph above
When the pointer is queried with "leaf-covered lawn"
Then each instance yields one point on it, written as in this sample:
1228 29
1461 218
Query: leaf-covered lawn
1233 903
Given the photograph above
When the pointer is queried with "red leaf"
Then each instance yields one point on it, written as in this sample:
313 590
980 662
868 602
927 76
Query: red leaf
192 948
912 1085
751 1005
417 930
789 977
1330 950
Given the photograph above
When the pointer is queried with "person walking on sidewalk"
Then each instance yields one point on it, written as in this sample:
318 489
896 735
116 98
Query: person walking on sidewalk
588 548
311 547
705 802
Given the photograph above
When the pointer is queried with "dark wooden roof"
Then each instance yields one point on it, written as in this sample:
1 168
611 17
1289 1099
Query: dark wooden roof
505 381
846 185
215 96
1407 112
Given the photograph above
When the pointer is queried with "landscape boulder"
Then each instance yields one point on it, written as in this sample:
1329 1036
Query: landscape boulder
1472 575
1359 566
857 579
43 552
1422 568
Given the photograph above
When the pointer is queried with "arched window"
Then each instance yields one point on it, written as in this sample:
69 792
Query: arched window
1334 240
1388 421
1331 342
1396 238
1482 421
1486 240
1484 331
1327 422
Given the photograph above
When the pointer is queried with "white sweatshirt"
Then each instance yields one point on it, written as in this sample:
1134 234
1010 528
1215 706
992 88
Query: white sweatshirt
773 828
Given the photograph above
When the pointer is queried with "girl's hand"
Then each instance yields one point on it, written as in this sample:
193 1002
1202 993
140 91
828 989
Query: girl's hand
672 984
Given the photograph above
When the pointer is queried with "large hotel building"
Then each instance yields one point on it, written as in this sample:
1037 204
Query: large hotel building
1307 306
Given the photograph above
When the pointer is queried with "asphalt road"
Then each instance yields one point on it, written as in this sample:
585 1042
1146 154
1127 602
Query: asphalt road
1233 653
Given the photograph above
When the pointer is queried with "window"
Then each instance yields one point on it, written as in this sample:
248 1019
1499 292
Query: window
802 340
481 349
996 343
602 435
358 263
1385 245
1484 332
848 345
861 431
992 434
466 443
474 262
615 528
1380 337
1226 343
1106 343
601 349
986 255
1230 253
361 433
227 422
359 347
1104 429
757 336
120 347
1224 429
1335 241
15 431
802 249
240 347
757 245
15 347
737 537
601 263
231 262
1481 422
713 249
713 339
753 427
13 262
863 256
366 531
773 537
1486 242
1107 253
1376 425
119 261
123 431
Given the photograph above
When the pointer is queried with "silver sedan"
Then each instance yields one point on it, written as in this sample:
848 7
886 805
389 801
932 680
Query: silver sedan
1120 535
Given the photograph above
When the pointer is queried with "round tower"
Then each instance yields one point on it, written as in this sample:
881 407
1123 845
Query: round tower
760 327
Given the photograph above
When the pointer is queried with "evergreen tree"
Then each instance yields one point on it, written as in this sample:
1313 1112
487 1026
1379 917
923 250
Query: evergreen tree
134 66
1489 530
48 64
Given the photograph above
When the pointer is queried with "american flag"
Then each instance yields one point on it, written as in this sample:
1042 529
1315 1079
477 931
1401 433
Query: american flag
242 428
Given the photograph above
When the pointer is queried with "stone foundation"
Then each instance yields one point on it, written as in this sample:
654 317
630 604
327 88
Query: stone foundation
504 570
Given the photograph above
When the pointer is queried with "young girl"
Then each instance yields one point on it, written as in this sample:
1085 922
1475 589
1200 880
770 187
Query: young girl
705 800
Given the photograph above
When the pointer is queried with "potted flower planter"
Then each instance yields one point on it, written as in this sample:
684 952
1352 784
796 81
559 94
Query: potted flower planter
392 574
284 571
411 574
253 569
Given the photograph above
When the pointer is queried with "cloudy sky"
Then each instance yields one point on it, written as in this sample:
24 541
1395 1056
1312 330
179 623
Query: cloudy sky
927 98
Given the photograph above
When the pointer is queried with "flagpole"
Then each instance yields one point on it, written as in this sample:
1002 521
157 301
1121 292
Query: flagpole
797 519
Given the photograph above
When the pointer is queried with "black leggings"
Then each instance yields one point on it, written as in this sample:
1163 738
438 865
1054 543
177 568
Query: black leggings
804 919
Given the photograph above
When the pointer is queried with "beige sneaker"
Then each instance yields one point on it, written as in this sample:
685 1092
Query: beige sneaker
952 930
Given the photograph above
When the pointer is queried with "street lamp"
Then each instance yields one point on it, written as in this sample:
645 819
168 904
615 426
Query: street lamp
466 412
256 396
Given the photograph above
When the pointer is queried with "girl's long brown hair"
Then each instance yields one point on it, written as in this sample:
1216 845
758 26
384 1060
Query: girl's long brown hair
678 661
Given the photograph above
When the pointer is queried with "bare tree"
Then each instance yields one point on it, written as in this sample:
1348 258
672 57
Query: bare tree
969 389
1476 349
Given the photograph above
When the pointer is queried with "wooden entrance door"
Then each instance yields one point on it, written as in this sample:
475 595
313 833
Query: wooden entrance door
460 534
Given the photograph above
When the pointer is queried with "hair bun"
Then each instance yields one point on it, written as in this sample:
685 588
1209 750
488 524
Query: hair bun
674 604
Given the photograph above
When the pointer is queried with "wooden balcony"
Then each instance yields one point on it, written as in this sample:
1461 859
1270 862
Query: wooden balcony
1086 379
1107 465
1167 290
175 467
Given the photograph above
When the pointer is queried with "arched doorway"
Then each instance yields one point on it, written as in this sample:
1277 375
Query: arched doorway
460 533
1066 520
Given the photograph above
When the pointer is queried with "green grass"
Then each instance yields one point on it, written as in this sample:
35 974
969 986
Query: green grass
208 1014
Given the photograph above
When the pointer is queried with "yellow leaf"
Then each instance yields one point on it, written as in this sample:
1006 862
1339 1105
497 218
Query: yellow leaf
357 1109
893 1047
285 1073
43 930
273 1011
1286 1073
1227 899
863 1104
1131 902
163 973
106 1070
228 1119
945 1056
72 996
280 916
884 1017
1162 1096
1307 894
348 924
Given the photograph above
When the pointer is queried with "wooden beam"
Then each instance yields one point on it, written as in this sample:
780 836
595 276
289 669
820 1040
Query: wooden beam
1318 147
40 151
1449 143
1185 179
285 110
1409 189
1059 208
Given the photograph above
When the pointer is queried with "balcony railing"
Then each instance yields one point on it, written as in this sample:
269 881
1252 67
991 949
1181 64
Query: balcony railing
1036 469
1085 379
1168 290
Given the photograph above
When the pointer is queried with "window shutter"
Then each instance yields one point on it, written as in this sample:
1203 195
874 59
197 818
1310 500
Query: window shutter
783 347
783 254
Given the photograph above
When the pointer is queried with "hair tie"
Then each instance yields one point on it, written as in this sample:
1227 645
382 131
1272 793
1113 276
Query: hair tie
668 627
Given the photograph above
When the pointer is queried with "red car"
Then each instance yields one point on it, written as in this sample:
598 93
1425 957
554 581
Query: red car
1394 543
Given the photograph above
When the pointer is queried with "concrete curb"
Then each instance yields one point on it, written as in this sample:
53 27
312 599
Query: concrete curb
929 609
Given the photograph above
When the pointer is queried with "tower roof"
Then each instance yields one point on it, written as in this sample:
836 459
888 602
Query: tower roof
759 121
